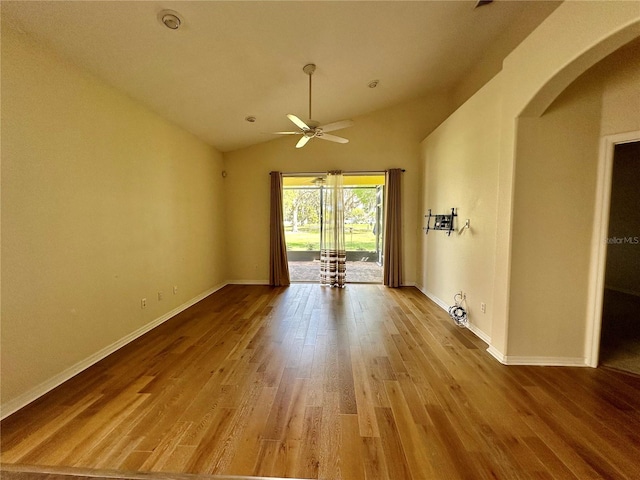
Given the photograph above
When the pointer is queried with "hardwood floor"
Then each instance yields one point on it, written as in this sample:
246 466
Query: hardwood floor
312 382
31 472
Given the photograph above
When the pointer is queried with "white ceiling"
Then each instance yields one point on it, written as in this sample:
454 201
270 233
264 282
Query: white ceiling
232 59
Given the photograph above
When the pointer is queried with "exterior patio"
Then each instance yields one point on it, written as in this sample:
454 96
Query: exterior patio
357 272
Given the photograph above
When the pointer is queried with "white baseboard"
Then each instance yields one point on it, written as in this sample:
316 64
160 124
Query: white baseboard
545 361
247 282
435 300
26 398
497 354
494 352
537 361
481 334
513 359
471 326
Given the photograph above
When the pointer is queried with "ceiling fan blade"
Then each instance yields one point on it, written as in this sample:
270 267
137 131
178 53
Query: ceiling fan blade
298 122
333 138
286 133
303 141
330 127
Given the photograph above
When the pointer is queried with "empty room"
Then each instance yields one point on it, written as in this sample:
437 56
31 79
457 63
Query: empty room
334 240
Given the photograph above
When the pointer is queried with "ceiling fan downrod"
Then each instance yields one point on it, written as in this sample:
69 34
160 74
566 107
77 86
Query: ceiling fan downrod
309 68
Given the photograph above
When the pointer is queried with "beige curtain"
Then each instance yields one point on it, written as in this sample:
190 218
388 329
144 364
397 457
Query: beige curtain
333 256
393 230
278 265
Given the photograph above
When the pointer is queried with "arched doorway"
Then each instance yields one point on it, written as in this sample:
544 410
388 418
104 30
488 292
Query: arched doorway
553 315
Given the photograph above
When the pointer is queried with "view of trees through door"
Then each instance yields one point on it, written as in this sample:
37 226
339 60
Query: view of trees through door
363 217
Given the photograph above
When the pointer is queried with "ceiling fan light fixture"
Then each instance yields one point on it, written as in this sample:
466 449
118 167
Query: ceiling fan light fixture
170 19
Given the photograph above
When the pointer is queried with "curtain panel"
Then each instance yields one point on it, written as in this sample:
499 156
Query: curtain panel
392 271
333 255
278 264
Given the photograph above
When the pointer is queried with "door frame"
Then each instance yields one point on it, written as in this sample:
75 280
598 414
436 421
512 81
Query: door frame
598 241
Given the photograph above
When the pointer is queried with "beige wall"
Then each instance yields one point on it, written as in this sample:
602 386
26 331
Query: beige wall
552 224
385 139
494 54
576 36
460 160
555 192
103 203
619 75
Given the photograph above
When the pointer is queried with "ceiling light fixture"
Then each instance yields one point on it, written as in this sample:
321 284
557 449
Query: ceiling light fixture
250 119
373 83
170 19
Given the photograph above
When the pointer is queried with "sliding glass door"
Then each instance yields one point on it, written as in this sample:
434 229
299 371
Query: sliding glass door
363 223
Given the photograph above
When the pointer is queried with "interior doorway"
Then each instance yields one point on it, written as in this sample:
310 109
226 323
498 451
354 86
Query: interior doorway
363 225
620 326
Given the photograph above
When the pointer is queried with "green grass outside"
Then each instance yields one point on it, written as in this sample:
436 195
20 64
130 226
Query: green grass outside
356 237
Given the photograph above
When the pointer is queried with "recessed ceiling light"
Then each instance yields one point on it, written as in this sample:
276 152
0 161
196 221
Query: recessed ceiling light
170 19
374 83
250 119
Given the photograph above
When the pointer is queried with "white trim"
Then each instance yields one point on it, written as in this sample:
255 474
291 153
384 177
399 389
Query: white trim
26 398
436 300
544 361
537 361
598 243
472 327
497 354
512 360
481 334
247 282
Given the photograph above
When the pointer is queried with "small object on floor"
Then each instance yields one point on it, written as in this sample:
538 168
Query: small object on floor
457 312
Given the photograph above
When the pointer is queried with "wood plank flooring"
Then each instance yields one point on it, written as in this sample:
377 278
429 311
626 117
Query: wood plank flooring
312 382
31 472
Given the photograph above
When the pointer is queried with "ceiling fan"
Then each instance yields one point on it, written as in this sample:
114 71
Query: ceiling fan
312 129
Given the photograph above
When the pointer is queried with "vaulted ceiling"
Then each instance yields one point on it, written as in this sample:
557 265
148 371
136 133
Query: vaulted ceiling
233 59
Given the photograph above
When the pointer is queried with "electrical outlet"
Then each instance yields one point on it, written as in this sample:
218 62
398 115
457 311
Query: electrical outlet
483 307
175 289
159 296
143 303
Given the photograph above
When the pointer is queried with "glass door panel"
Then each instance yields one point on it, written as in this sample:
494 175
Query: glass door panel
364 226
